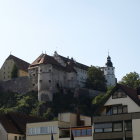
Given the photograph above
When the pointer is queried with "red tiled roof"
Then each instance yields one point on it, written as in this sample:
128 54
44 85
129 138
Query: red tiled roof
70 63
46 59
76 64
21 64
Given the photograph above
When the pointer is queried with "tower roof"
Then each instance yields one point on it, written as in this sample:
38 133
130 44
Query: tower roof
109 63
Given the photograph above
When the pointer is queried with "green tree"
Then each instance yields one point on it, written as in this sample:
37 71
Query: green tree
100 97
14 73
96 79
131 79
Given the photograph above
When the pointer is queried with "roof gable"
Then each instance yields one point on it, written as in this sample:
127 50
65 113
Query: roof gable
46 59
132 93
21 64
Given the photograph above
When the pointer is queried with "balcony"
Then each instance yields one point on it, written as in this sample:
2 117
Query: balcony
118 117
112 135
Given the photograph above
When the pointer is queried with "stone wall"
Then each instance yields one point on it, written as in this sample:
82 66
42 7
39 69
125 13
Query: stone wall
86 92
20 85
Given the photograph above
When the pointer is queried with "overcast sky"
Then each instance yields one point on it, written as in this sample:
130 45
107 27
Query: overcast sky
82 29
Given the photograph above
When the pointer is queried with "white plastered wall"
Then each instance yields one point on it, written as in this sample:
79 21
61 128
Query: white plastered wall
136 129
132 106
3 133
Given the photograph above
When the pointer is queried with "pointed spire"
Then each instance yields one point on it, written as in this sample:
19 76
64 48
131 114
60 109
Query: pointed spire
109 63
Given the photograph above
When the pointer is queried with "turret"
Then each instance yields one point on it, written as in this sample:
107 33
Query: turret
109 72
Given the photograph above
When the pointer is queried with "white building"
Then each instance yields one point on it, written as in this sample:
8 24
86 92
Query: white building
119 116
109 72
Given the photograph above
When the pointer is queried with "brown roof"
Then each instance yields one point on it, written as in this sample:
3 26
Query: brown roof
76 64
16 122
21 64
132 93
70 63
46 59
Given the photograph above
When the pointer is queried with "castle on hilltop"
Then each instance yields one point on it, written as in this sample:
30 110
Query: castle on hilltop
49 73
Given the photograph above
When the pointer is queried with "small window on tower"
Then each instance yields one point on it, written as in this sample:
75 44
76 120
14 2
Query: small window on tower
49 81
40 81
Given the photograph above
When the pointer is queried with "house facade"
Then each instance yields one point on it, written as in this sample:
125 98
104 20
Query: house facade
79 133
119 116
67 125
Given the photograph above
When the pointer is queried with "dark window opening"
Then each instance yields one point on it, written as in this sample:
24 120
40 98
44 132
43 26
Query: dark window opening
118 109
119 94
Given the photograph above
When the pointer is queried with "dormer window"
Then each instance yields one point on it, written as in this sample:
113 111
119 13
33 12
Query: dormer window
119 94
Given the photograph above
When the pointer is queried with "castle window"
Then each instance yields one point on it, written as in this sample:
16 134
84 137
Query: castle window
40 81
49 81
33 74
40 70
49 70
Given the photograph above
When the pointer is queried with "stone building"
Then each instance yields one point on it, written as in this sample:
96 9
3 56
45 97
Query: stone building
9 64
48 73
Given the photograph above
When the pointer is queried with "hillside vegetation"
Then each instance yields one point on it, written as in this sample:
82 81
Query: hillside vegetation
28 104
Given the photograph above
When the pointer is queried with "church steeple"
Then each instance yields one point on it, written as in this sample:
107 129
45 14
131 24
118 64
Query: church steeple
109 63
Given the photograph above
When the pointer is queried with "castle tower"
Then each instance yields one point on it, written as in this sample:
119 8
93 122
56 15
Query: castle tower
109 73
